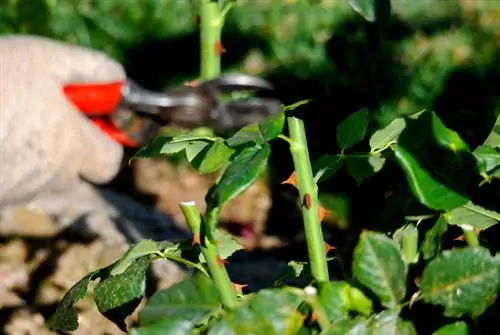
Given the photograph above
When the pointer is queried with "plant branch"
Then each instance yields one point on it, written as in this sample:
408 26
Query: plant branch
211 23
308 191
215 264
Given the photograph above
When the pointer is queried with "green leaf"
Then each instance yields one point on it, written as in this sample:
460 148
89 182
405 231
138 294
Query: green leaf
227 245
353 129
259 134
388 322
378 265
493 139
456 328
356 326
473 215
431 245
445 137
377 162
270 311
428 190
409 244
463 281
246 166
248 134
190 300
167 145
165 326
143 248
359 302
211 158
360 168
272 126
293 270
326 166
193 149
65 318
295 105
118 296
488 158
382 138
335 299
439 167
372 10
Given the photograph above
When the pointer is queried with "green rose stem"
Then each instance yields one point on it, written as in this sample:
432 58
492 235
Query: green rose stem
211 23
308 191
470 235
215 264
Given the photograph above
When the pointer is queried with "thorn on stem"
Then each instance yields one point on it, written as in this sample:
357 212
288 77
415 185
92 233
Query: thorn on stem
220 261
196 239
238 288
329 248
323 213
292 180
314 317
219 48
308 200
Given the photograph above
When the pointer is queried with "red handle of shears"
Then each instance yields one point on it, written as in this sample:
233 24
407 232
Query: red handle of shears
97 100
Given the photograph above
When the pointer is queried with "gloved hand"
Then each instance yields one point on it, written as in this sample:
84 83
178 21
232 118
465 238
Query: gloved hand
46 145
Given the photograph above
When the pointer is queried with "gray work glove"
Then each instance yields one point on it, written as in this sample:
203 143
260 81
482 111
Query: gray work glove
46 145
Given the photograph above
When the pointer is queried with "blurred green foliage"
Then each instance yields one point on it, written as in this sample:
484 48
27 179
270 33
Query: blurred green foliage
430 40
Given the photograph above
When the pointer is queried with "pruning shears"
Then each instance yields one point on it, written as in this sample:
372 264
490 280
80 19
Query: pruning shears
132 115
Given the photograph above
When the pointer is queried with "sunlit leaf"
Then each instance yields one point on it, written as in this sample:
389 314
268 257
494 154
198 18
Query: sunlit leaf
66 316
372 10
244 169
355 326
118 296
382 138
389 322
493 139
269 311
488 158
189 300
378 265
211 158
169 326
143 248
463 281
473 215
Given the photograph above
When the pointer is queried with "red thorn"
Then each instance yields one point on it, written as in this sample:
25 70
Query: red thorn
238 287
219 48
329 248
460 238
314 317
307 201
323 213
196 239
292 180
220 261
